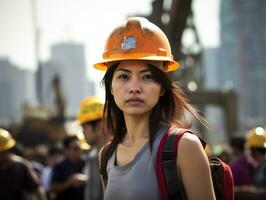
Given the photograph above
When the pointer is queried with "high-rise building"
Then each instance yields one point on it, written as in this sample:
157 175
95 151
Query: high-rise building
68 63
211 67
16 89
241 60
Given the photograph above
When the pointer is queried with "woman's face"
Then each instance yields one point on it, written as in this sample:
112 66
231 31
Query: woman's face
134 89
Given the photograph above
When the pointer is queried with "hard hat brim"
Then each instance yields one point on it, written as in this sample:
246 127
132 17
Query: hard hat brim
86 120
172 65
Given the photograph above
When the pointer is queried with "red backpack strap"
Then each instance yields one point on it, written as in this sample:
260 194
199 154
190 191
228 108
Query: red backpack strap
159 169
166 171
228 192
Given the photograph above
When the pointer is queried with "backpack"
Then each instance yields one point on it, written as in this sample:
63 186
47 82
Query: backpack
169 181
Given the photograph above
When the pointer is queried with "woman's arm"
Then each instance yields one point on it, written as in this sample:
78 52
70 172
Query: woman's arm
194 167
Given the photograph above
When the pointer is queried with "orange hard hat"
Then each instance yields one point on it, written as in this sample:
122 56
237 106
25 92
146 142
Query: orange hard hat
137 39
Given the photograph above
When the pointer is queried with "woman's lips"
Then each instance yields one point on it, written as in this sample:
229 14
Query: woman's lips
134 101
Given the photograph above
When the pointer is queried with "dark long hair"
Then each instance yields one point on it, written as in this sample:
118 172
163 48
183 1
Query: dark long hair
170 109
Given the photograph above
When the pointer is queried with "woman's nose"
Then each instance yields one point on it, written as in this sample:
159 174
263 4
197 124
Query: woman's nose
135 86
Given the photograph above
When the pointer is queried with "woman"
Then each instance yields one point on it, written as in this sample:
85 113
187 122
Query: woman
141 104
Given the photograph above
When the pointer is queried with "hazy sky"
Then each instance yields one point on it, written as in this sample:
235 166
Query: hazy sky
83 21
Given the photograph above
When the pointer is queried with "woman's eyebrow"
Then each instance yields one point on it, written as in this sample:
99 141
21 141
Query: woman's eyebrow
145 70
124 70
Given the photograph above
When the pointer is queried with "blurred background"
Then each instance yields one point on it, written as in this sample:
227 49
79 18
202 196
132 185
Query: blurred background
47 49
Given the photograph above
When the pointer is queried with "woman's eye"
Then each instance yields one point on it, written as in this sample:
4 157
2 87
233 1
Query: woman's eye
148 76
123 76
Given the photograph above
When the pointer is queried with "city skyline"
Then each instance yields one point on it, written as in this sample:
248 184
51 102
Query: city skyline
226 62
20 89
239 63
83 22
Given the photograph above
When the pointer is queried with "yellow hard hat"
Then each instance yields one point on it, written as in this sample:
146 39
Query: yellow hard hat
91 108
6 141
256 138
137 39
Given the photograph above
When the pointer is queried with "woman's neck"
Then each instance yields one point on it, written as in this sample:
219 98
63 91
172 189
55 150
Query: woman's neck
137 128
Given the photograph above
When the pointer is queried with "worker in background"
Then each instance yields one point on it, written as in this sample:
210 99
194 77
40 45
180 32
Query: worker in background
256 144
90 118
55 155
68 181
241 165
18 180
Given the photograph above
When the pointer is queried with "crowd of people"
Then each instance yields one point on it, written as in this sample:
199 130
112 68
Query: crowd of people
72 172
125 132
69 171
249 165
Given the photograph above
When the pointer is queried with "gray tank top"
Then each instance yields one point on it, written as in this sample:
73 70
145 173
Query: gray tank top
137 179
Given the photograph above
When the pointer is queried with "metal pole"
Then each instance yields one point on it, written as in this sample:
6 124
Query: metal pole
36 35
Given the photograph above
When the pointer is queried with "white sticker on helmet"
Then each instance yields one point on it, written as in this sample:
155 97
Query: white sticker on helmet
129 43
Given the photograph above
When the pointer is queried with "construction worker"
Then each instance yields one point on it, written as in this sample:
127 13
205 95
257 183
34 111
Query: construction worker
17 177
241 165
54 156
90 118
142 103
256 143
68 179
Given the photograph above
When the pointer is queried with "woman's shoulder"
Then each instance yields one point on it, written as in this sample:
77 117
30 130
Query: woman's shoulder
190 149
190 142
189 139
